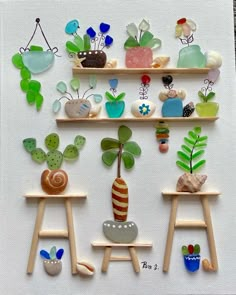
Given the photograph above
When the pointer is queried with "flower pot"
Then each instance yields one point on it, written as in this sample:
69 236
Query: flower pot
93 58
172 107
54 182
192 262
139 57
190 182
115 109
191 57
78 108
207 109
120 199
38 61
143 108
52 267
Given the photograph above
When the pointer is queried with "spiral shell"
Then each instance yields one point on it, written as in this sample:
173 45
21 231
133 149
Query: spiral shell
54 182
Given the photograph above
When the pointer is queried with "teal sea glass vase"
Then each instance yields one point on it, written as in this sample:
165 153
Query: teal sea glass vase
115 109
191 57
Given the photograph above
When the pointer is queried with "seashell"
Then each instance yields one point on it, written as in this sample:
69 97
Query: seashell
85 268
143 108
54 182
160 61
78 108
190 182
112 63
213 59
120 199
188 109
95 111
207 266
52 267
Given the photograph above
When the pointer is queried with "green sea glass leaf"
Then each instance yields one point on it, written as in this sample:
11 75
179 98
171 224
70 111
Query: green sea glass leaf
154 43
79 42
29 144
200 145
133 148
75 84
130 43
56 106
24 85
197 154
132 30
79 141
192 134
146 37
71 152
202 138
52 141
128 160
92 81
38 155
25 73
120 96
61 87
183 166
108 157
189 141
71 47
109 96
87 44
38 101
184 250
53 252
201 96
197 249
17 61
197 130
198 165
144 25
109 143
210 95
30 97
54 159
185 148
124 134
34 85
183 156
36 48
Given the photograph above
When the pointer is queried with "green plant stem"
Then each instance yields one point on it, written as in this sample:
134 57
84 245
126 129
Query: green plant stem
191 155
119 160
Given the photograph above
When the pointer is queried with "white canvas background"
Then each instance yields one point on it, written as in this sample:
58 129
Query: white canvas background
153 171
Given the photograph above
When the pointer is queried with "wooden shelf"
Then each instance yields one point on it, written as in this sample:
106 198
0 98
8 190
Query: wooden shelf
41 196
173 194
109 244
152 119
128 71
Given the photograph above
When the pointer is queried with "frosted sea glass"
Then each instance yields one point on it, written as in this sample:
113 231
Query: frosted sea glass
38 61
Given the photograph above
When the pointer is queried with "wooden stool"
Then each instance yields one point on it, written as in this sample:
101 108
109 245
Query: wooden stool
206 224
132 253
39 233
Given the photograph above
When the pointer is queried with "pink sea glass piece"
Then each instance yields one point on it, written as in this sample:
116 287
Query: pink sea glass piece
139 57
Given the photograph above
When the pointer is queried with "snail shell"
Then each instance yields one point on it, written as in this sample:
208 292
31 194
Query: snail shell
207 265
54 182
85 268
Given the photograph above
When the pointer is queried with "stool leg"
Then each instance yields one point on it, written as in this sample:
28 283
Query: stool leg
170 234
210 235
35 238
71 235
106 258
134 259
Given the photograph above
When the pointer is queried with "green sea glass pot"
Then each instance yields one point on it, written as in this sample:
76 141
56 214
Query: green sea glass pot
191 57
207 109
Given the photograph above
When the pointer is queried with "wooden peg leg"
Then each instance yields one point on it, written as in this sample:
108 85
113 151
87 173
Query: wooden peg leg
71 235
35 237
134 259
210 235
106 258
170 234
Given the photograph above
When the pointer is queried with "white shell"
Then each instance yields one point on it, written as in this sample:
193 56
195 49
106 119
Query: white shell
143 108
213 59
160 61
95 111
85 268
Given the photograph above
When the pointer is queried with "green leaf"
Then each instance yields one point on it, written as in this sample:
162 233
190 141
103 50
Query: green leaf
36 48
202 138
79 141
197 130
185 148
61 87
124 134
198 165
146 37
30 97
38 155
79 42
87 44
108 157
53 252
210 95
131 42
200 145
183 156
183 166
71 47
56 106
197 154
29 144
17 61
25 73
202 96
52 141
109 143
92 81
133 148
75 84
192 134
54 159
128 160
189 141
71 152
120 96
24 85
34 85
38 101
109 96
184 250
154 43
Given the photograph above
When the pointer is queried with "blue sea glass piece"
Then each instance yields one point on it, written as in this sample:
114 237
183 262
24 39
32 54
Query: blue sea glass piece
90 31
191 57
104 28
113 83
115 109
192 262
60 253
108 40
172 107
72 26
97 98
44 254
38 61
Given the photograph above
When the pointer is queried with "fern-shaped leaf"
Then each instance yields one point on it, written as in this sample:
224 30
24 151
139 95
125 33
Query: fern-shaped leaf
197 154
183 166
189 141
128 160
108 157
198 165
202 138
200 145
186 149
183 156
192 134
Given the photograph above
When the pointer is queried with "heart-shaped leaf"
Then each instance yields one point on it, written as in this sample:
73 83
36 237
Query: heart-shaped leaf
154 43
108 157
71 152
109 143
52 141
130 43
29 144
132 30
79 141
61 87
144 26
97 98
56 106
124 133
146 37
75 84
38 155
133 148
128 160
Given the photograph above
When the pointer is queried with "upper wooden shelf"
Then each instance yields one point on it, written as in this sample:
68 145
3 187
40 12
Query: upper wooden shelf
40 196
127 71
150 119
173 194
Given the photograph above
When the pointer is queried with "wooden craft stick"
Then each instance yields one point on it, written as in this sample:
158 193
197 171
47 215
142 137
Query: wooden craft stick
35 237
190 223
106 258
134 259
53 234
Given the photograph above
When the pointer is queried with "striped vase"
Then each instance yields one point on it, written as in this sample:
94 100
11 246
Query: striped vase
120 199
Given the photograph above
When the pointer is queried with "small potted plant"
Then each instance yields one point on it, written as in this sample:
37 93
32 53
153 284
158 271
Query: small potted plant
139 45
79 107
208 108
52 260
191 257
53 180
120 230
89 49
143 107
115 105
191 151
